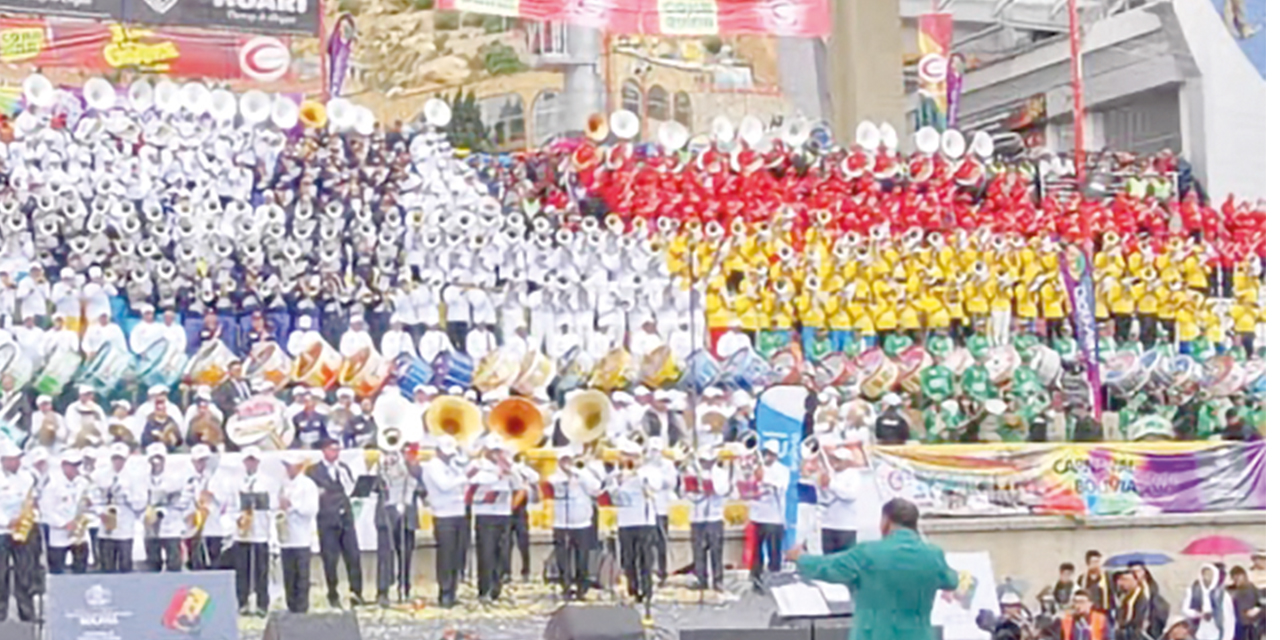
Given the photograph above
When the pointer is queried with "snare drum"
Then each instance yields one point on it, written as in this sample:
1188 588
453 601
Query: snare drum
58 372
659 369
1256 378
16 364
365 373
209 366
1223 376
267 361
452 369
318 365
879 373
786 365
1047 364
108 367
161 364
1000 363
260 420
832 370
745 371
536 371
496 370
700 372
958 360
1148 364
411 372
1181 374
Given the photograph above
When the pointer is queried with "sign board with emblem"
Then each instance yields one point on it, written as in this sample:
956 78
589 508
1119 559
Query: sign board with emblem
159 606
300 17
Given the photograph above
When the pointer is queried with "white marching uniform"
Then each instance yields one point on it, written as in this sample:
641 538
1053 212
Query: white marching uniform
353 341
260 530
172 493
300 517
709 507
97 336
14 489
769 507
396 342
128 494
433 343
144 334
633 496
33 297
839 501
222 503
61 340
300 339
446 489
575 496
59 503
80 414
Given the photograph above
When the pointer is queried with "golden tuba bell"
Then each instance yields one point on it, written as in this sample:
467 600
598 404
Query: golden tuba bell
519 422
454 416
313 115
586 416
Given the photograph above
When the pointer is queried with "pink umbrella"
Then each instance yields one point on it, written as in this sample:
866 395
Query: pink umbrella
1218 546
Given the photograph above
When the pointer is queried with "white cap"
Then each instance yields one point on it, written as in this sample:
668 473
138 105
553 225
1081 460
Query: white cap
251 451
95 271
346 392
156 450
122 403
8 449
995 405
629 447
742 398
304 322
446 444
300 391
842 453
293 458
262 385
203 393
1009 598
200 451
621 397
38 455
707 453
119 450
157 390
455 390
317 393
641 391
712 393
772 446
564 452
146 308
43 399
84 388
72 456
892 400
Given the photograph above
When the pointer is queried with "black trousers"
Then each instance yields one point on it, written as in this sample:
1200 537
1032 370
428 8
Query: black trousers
1147 329
768 537
335 540
491 539
573 548
206 554
635 548
295 563
451 541
170 548
251 563
457 332
1124 327
517 537
395 555
660 546
836 540
79 558
18 560
708 553
117 556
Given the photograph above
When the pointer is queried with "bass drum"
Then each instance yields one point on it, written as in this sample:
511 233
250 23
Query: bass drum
832 370
59 371
536 372
411 372
878 373
700 372
209 366
1223 376
161 364
1121 374
787 365
912 361
452 369
1148 364
260 421
107 369
16 364
365 373
745 371
318 365
1047 364
267 361
613 371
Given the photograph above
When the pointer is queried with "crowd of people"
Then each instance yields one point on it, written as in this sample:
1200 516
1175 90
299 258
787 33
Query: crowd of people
1124 602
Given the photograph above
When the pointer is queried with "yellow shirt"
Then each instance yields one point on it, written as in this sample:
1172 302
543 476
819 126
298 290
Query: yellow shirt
1147 300
1188 327
1245 316
935 312
1054 301
975 301
1101 304
998 295
861 316
1121 299
953 298
1026 301
718 313
1211 325
885 316
1166 305
810 308
837 313
1195 273
909 316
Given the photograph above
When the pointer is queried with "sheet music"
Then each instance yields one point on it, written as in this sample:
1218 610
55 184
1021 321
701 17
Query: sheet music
799 600
833 593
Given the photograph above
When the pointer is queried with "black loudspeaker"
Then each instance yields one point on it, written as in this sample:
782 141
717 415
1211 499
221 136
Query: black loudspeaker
831 631
593 623
776 633
283 625
14 630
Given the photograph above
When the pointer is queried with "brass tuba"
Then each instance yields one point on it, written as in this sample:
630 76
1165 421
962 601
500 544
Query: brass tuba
586 416
454 416
519 422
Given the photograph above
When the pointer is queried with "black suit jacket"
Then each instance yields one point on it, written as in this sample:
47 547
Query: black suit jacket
1132 618
227 398
335 504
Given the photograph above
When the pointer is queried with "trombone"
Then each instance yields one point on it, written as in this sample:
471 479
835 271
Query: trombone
811 448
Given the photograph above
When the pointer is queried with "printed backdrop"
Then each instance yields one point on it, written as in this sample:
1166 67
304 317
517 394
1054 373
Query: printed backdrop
1092 480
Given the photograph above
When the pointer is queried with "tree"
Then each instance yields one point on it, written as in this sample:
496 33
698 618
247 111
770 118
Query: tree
466 130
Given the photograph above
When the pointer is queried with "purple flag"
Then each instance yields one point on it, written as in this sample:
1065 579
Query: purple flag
955 79
339 52
1077 274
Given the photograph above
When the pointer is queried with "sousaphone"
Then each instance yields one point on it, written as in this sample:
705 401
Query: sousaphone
454 416
519 422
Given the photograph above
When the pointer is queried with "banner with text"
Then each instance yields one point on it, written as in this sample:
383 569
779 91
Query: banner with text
158 606
933 36
256 16
1075 479
808 18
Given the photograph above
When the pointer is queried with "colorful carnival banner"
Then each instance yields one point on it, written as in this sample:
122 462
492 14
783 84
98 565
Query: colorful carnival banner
808 18
934 39
1070 479
255 16
75 47
1077 274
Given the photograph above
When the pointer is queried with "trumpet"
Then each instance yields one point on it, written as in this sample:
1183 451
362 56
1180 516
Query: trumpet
26 517
110 518
151 521
810 449
80 532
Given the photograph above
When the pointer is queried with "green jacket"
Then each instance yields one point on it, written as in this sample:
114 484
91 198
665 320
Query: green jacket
894 582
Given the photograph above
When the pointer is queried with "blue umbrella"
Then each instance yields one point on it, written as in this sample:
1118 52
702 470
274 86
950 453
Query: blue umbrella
1149 558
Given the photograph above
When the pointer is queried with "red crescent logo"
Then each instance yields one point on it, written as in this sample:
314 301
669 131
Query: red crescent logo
264 58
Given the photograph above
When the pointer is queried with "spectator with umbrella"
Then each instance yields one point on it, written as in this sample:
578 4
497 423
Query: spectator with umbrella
1133 609
1208 607
1247 600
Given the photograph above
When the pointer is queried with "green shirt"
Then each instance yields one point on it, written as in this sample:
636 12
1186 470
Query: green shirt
894 582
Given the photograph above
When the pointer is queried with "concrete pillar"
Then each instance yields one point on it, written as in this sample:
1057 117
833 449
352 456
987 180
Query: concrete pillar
583 88
866 66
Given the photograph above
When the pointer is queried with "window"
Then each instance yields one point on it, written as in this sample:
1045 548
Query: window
504 115
659 107
548 38
547 109
684 109
631 96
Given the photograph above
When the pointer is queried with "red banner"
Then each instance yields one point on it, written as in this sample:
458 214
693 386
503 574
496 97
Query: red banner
93 48
806 18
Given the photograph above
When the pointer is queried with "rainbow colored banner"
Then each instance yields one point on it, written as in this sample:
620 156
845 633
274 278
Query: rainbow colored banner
1075 479
801 18
934 38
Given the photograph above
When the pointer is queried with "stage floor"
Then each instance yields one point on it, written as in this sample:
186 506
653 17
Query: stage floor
525 609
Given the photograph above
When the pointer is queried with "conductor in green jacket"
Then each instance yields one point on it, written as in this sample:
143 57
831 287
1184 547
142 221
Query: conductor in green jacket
894 580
